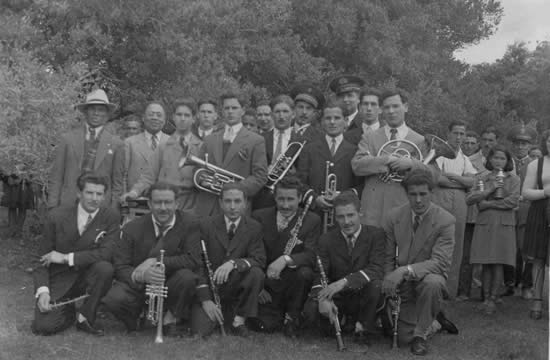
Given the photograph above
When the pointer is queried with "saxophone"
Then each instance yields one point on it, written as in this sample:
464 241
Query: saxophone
156 294
293 241
211 282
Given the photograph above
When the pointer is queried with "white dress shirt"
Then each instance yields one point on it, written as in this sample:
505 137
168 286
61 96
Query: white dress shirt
161 137
338 139
230 132
461 165
369 128
97 131
203 133
350 118
286 139
170 225
402 131
229 222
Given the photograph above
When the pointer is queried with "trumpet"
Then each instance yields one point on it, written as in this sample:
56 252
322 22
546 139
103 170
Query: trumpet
330 191
283 163
213 175
155 301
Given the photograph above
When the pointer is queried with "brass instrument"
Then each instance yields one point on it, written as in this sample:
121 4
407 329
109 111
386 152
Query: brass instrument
438 148
336 322
330 192
293 241
283 163
156 294
211 282
213 175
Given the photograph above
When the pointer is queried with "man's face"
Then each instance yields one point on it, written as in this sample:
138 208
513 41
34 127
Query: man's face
521 148
233 204
163 205
535 153
394 110
456 136
154 118
350 100
287 201
132 127
249 122
263 115
470 146
370 108
232 111
420 197
488 141
96 115
305 113
282 116
333 121
183 119
348 218
207 116
91 197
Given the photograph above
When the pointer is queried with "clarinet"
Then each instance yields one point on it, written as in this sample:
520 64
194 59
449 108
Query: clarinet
291 243
396 308
213 287
337 329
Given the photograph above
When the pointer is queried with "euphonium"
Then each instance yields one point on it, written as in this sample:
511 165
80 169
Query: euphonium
283 163
212 175
330 191
156 294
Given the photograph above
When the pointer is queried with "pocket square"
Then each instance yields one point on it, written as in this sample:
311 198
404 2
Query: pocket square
243 154
100 236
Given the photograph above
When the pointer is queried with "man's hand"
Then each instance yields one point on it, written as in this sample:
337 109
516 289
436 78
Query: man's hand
53 257
392 281
264 297
154 275
331 290
482 205
399 164
44 302
274 269
222 273
328 309
213 312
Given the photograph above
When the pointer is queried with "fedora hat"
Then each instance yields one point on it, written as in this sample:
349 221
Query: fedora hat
96 97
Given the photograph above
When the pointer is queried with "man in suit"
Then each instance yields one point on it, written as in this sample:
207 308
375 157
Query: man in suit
135 258
422 235
168 163
289 276
379 196
309 101
89 148
348 90
369 108
207 118
352 257
334 149
263 115
234 244
75 259
236 150
133 125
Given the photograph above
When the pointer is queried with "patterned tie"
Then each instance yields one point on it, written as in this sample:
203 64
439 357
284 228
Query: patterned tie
231 231
278 147
350 243
333 147
416 223
393 132
154 142
92 133
88 222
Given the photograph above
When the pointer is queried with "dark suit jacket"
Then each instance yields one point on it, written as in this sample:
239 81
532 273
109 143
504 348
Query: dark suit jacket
138 243
312 166
61 234
246 248
429 250
268 137
366 259
310 133
67 164
303 253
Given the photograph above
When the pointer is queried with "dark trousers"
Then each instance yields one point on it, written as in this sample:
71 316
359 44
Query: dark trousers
466 269
288 295
354 305
239 297
126 303
523 270
95 281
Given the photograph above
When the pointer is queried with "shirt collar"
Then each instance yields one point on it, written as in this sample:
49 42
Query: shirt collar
338 139
299 128
236 128
228 222
97 130
168 227
351 117
402 131
373 127
83 213
413 214
286 132
355 234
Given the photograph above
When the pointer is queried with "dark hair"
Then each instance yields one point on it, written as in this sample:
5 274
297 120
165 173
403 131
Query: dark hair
543 138
282 99
394 92
155 102
471 133
207 101
134 117
228 96
162 186
290 182
535 147
250 112
91 178
490 130
263 102
509 162
233 186
454 123
346 198
333 103
370 91
187 102
418 177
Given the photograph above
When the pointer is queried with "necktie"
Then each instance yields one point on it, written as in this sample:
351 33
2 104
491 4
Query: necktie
278 147
88 222
347 121
228 135
416 223
92 133
154 142
393 133
350 244
231 232
333 147
162 229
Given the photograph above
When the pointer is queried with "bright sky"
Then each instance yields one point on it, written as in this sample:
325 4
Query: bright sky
523 20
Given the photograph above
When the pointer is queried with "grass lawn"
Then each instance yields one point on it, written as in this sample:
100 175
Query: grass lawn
509 334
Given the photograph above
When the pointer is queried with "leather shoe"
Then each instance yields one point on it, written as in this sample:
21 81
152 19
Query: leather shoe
446 324
86 327
419 346
240 330
290 329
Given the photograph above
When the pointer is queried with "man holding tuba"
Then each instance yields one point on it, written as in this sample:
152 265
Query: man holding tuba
383 156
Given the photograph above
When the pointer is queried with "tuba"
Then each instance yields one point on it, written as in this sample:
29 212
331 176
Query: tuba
155 301
214 176
283 163
330 191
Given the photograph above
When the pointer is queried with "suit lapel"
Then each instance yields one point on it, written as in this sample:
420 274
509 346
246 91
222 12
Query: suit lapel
103 147
403 234
221 232
269 144
422 234
342 246
78 145
143 148
342 150
323 149
360 246
71 224
236 145
240 232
